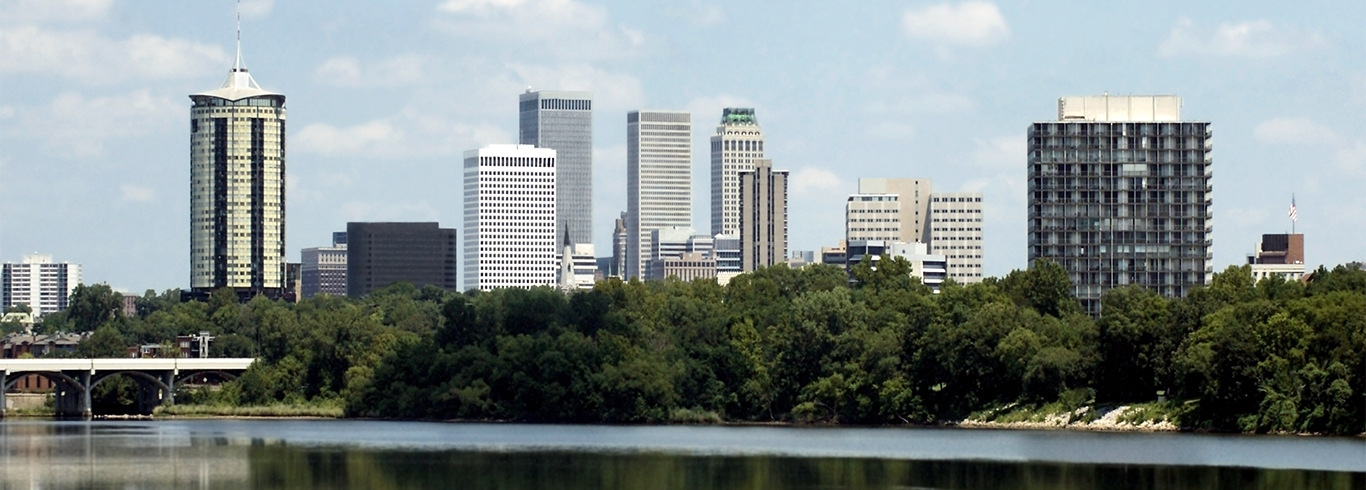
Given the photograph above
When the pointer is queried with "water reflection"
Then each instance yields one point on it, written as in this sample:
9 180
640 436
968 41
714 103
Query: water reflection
208 454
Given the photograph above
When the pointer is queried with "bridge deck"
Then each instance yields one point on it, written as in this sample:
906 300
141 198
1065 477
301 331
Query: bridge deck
93 365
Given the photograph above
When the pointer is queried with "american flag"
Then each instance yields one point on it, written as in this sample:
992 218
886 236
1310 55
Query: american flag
1293 215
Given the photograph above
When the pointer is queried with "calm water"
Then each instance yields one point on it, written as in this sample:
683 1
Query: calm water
361 454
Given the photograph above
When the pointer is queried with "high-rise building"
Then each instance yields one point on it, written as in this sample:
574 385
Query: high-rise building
620 241
563 121
956 233
913 203
323 269
381 254
1278 255
510 238
763 216
1119 193
872 217
237 188
45 286
737 143
658 180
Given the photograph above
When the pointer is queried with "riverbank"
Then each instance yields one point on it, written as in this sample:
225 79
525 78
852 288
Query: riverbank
1147 417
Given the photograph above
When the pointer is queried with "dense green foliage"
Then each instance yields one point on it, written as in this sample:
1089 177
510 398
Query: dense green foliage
805 345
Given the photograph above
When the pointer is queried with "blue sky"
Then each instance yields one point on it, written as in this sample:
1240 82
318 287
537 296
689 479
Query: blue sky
94 112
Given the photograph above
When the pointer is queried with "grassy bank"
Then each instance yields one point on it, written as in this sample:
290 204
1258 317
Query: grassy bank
277 410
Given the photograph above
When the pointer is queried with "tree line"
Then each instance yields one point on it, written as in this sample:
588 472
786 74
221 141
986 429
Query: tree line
815 344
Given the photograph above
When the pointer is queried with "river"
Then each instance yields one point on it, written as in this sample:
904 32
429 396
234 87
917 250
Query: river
318 454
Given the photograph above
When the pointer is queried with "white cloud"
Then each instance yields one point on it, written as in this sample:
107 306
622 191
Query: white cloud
1250 39
562 29
133 193
612 92
346 71
1294 131
1352 158
93 58
812 181
6 112
330 140
965 24
257 8
1005 152
53 10
80 125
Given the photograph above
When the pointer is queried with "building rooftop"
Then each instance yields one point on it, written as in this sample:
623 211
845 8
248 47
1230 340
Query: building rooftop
739 116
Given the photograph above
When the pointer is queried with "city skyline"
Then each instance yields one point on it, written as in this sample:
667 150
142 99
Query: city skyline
95 134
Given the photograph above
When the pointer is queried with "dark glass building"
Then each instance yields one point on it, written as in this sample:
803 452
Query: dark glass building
1120 193
380 254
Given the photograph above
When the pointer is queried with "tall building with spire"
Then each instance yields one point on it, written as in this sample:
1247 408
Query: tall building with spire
563 121
237 187
738 142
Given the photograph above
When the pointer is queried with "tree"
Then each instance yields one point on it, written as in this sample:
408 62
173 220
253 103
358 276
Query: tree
104 343
1044 287
1136 344
92 306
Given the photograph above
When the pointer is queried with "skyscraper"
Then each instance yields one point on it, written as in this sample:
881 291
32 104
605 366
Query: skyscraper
381 254
956 233
737 143
510 238
913 201
763 216
563 121
237 187
658 180
45 286
1119 193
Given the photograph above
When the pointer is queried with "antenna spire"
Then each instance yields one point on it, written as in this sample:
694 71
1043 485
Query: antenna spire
238 65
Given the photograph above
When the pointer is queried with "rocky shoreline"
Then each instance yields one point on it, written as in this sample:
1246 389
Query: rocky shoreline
1108 420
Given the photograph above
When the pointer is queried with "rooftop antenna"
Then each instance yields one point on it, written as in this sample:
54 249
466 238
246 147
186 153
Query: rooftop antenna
238 66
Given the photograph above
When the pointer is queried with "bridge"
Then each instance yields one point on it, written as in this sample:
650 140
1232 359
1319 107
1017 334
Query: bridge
75 378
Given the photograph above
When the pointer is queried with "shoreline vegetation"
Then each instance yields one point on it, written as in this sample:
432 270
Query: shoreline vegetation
816 345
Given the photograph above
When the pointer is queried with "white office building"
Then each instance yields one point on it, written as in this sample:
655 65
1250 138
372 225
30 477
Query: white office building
872 217
658 180
43 285
956 233
738 142
913 208
509 236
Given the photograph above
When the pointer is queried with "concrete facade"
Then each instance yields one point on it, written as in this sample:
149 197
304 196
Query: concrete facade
956 233
872 217
323 269
510 215
763 216
913 198
45 286
658 180
738 142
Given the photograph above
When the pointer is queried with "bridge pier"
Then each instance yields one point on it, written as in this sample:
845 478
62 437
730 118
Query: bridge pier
168 382
85 395
4 386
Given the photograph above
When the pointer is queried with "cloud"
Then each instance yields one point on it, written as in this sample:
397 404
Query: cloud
346 71
53 10
698 13
405 134
965 24
812 181
95 59
1294 131
330 140
1251 39
1004 152
1352 158
6 112
257 8
79 125
133 193
561 29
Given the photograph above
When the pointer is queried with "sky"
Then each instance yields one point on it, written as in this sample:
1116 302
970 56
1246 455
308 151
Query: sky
384 98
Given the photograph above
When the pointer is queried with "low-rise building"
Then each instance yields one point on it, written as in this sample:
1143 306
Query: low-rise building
1278 256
